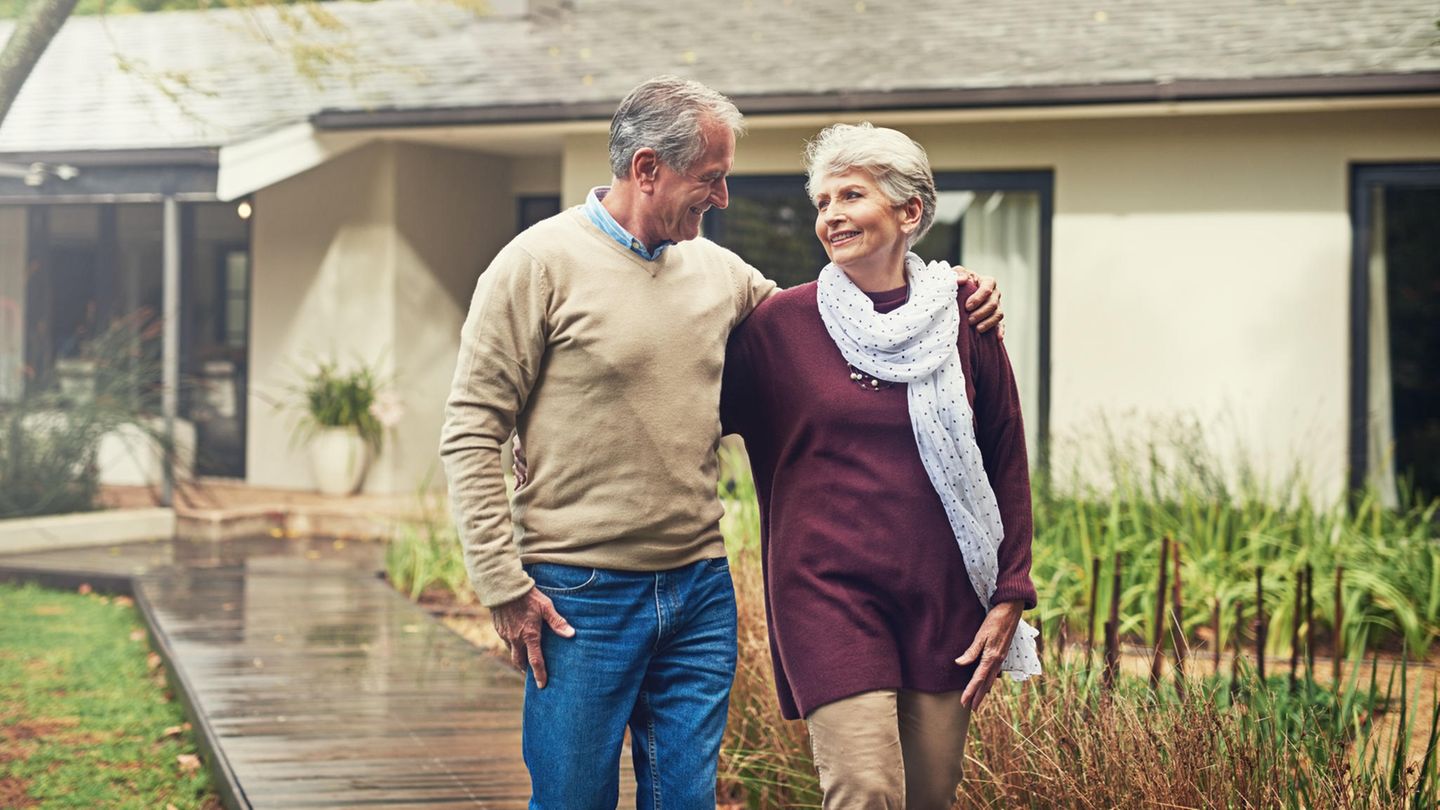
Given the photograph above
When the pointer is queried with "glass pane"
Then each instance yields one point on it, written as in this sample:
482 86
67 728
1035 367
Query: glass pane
774 230
1411 266
216 304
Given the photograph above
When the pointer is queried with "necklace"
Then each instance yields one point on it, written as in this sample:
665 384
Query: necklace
867 382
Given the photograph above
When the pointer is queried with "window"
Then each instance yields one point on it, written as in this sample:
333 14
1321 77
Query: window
995 223
1395 330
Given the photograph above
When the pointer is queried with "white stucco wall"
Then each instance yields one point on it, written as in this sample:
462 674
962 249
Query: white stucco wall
1200 264
371 257
455 212
322 284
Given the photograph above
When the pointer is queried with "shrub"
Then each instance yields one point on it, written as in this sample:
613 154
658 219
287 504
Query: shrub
49 438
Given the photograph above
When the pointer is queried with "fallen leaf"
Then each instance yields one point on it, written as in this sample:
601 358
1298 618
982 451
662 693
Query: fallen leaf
175 731
137 635
84 589
188 762
338 544
277 532
152 661
124 601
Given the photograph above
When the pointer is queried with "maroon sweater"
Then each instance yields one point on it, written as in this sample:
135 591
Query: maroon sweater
865 585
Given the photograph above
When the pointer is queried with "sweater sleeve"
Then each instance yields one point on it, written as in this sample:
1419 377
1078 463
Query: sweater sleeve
1000 433
501 347
752 287
737 389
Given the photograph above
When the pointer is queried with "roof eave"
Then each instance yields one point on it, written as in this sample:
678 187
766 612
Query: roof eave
1180 90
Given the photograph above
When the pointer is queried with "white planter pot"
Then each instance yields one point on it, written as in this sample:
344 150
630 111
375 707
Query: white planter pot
339 459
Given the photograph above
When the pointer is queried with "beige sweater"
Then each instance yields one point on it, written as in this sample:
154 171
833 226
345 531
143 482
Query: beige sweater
609 368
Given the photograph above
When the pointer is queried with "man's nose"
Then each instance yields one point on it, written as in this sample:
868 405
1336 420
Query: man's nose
720 195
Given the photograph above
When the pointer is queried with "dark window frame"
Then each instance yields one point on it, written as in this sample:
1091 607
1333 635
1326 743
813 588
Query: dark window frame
1040 181
524 217
1364 178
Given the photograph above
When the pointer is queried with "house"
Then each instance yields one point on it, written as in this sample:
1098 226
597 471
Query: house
1224 211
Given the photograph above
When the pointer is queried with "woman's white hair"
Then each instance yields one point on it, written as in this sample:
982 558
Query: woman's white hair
668 114
897 164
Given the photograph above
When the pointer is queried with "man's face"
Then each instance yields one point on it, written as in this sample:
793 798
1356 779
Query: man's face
680 199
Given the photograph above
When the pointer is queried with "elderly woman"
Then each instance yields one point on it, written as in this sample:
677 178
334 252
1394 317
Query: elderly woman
889 456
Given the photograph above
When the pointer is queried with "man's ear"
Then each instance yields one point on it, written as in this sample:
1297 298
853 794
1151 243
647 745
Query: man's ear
645 168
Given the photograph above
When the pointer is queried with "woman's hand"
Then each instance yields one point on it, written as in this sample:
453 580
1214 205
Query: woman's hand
992 642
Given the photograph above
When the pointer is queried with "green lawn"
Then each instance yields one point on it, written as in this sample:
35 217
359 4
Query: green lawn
86 719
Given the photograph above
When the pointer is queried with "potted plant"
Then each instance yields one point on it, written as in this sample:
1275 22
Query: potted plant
345 416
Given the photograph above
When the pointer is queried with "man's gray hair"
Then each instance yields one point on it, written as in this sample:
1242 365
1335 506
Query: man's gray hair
668 114
897 164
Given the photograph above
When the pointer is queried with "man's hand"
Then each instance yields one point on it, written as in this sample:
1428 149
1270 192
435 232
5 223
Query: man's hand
992 642
983 304
520 623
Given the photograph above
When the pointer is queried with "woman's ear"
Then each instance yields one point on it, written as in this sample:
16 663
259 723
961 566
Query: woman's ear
910 213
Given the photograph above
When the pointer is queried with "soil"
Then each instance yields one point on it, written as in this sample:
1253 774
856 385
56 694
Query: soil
15 793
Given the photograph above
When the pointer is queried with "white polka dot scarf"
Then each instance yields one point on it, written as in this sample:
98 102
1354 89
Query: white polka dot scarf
915 344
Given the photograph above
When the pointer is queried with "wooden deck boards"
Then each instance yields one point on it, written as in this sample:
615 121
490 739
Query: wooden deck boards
316 684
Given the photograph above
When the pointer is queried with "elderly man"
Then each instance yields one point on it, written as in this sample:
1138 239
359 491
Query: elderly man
598 336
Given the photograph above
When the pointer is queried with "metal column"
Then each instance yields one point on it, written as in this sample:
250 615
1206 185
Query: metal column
170 343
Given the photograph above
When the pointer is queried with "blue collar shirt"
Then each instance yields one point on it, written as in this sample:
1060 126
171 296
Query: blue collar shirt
602 219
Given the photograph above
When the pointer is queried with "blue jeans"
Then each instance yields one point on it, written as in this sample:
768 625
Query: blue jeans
652 650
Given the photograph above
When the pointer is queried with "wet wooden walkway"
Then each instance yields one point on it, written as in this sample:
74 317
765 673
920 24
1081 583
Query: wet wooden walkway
310 682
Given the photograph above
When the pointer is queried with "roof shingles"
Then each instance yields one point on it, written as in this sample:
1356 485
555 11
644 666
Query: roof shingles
179 79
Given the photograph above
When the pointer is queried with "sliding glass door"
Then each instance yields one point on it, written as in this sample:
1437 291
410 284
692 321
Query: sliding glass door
69 272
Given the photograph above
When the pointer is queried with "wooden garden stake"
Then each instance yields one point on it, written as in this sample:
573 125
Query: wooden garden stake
1260 630
1337 632
1112 629
1309 622
1177 626
1215 628
1161 597
1295 618
1094 597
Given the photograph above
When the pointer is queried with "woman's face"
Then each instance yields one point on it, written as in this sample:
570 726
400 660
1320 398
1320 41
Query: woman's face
857 223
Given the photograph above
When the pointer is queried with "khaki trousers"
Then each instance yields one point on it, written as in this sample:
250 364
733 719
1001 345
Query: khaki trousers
890 750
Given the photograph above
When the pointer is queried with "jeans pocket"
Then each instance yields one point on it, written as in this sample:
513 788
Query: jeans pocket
718 564
553 578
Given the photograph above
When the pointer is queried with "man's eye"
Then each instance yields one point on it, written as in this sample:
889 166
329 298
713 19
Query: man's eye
820 204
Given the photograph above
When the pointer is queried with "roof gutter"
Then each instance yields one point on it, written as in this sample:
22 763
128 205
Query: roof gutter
1163 91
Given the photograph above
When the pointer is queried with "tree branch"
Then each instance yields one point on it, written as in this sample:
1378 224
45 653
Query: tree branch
33 33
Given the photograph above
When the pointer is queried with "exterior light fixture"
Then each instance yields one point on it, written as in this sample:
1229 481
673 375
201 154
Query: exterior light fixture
244 209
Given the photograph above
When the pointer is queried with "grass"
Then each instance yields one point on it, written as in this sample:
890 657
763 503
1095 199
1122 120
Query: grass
85 718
